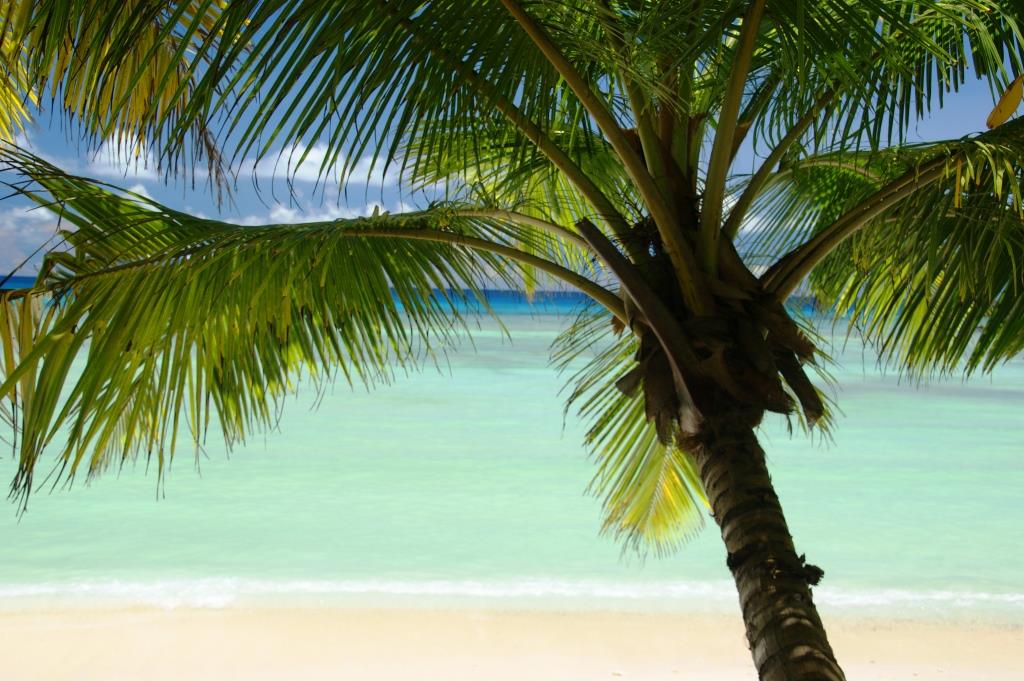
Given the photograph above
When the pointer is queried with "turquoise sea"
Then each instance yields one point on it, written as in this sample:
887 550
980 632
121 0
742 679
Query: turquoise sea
465 486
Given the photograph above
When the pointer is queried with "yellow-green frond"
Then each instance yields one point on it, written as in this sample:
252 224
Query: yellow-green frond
934 279
175 322
125 71
651 492
16 94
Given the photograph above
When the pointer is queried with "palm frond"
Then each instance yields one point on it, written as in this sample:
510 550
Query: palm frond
938 284
24 320
16 93
651 492
363 78
486 168
876 87
124 72
935 278
805 195
180 321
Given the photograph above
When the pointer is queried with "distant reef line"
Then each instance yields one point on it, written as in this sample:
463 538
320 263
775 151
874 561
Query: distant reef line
543 298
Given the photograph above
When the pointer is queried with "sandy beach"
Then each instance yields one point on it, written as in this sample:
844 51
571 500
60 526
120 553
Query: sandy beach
339 643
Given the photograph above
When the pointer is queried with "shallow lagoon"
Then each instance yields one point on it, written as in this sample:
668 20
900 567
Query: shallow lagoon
465 485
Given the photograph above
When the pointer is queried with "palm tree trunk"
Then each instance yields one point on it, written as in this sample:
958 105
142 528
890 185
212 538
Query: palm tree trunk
786 637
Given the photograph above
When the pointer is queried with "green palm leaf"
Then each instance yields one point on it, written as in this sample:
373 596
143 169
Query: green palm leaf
651 491
934 279
122 71
180 321
15 93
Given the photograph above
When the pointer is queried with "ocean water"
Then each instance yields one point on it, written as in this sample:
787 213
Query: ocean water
15 282
465 486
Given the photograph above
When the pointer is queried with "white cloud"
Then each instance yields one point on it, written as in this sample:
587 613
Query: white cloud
290 214
22 139
22 232
141 190
114 159
66 164
111 160
373 175
313 164
282 214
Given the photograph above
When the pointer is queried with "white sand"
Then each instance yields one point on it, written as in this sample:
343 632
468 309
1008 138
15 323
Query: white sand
338 643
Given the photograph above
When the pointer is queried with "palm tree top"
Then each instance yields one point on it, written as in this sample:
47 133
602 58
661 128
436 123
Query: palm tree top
592 141
584 141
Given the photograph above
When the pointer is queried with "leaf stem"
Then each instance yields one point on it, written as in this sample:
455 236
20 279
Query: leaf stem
721 150
598 293
527 220
604 207
756 183
656 315
678 250
785 275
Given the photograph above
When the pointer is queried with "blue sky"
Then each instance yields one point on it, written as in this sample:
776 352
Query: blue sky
263 195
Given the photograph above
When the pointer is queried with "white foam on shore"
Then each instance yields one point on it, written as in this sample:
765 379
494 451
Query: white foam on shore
223 592
528 593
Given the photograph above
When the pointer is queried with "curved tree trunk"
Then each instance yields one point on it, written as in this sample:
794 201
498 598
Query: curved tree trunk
785 634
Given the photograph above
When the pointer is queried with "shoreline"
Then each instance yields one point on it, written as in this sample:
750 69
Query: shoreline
260 643
697 597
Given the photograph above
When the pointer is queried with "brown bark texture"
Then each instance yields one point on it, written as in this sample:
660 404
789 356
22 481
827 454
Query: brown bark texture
785 633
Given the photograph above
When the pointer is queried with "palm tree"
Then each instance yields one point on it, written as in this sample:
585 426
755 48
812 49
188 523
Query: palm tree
589 142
